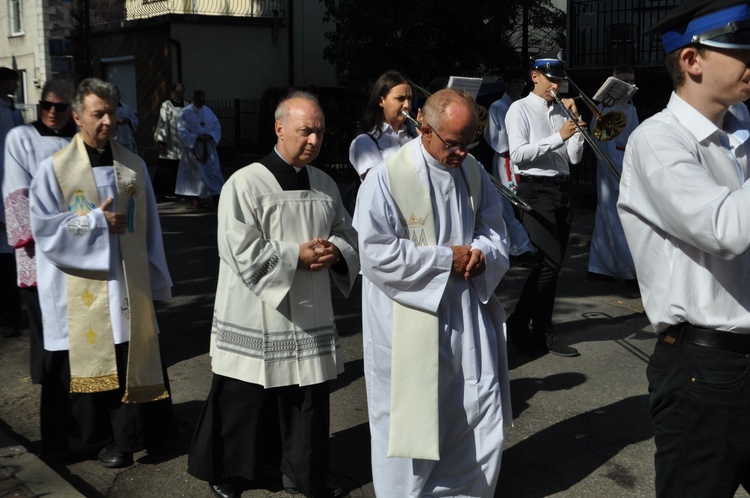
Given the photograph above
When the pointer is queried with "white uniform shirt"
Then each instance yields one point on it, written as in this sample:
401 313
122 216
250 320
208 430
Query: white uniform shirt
535 144
365 153
684 205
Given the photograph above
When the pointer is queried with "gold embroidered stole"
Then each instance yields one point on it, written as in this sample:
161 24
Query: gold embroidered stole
93 367
414 417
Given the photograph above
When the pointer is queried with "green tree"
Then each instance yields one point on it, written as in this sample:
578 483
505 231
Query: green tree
427 39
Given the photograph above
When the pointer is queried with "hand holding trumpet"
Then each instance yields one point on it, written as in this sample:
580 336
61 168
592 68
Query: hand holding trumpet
571 127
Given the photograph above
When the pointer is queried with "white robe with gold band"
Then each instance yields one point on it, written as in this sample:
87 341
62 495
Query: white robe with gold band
473 390
65 240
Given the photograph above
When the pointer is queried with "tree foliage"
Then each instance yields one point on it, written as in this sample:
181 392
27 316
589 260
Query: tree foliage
426 39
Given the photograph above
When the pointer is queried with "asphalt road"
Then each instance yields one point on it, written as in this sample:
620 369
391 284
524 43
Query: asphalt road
581 425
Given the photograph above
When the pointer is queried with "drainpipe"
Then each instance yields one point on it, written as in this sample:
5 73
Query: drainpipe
290 28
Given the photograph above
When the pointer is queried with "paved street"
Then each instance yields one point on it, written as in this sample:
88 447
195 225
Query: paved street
581 425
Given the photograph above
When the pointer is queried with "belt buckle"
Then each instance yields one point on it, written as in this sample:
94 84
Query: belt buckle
669 339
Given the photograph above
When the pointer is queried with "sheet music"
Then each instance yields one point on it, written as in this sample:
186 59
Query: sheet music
470 85
615 91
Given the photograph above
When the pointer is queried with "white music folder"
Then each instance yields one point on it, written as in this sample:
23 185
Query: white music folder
470 85
615 91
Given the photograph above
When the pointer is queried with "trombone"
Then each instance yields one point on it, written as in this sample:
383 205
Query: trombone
609 128
502 189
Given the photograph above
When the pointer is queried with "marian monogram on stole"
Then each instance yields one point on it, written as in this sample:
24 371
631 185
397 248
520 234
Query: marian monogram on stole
413 229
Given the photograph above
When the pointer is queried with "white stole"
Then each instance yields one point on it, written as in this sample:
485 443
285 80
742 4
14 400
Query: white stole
414 418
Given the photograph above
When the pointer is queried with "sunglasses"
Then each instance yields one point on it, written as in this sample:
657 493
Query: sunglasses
59 107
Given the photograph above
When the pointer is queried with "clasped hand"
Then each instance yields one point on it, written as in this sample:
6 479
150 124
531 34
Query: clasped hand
317 254
468 262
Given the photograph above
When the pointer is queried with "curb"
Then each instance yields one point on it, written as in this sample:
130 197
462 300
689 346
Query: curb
25 475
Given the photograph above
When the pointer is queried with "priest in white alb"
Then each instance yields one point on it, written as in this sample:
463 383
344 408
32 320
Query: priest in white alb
433 249
100 263
199 174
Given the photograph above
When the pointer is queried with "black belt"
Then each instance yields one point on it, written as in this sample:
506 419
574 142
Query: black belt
717 339
545 179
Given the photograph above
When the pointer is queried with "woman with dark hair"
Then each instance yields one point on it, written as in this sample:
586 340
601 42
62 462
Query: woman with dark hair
384 129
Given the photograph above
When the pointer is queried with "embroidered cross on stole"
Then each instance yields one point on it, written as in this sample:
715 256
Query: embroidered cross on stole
93 367
414 417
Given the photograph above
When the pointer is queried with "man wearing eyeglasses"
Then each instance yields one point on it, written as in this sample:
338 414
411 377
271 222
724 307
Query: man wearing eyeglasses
25 148
433 249
543 141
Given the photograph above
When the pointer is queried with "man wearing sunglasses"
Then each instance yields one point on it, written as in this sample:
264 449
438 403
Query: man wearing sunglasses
433 249
543 141
25 148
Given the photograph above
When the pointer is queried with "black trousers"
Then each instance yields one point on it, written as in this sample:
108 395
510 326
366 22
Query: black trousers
30 299
700 409
548 226
165 177
10 304
81 423
232 435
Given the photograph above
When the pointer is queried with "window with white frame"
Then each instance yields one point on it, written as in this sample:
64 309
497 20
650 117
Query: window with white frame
15 15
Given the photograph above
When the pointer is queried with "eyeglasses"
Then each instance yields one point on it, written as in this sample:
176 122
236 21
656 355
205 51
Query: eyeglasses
454 149
59 106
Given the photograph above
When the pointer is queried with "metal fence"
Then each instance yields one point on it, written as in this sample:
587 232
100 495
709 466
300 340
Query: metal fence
239 120
247 130
609 32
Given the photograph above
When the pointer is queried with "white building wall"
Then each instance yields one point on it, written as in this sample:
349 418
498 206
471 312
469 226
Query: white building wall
29 51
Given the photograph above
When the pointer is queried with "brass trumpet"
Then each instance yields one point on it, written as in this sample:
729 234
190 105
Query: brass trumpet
587 136
502 189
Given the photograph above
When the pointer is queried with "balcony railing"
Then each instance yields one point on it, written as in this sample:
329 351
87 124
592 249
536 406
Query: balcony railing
604 33
116 11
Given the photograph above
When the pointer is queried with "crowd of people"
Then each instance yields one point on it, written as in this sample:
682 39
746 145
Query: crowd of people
431 237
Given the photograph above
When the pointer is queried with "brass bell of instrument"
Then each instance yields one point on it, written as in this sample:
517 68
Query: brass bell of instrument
609 125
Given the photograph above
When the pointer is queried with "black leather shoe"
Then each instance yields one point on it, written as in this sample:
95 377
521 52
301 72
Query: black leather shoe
112 458
331 492
223 490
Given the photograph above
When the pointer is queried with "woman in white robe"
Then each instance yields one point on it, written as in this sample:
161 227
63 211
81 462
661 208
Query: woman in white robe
384 128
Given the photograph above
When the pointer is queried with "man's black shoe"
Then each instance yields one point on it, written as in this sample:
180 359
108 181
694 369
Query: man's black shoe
331 492
223 490
557 348
112 458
